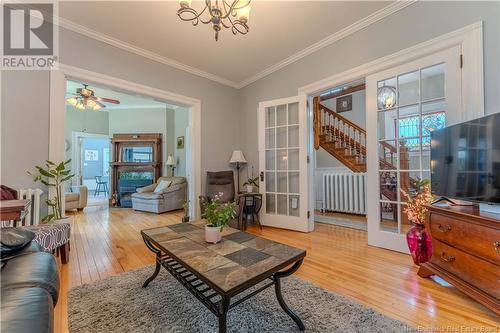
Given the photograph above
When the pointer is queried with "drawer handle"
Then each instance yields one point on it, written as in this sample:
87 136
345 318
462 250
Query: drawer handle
446 258
496 245
444 229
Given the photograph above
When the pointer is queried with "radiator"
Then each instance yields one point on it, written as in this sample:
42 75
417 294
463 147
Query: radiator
33 216
344 192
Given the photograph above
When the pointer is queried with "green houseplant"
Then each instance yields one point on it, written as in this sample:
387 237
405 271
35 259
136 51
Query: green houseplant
53 175
218 215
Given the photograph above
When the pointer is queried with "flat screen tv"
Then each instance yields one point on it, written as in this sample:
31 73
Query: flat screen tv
465 161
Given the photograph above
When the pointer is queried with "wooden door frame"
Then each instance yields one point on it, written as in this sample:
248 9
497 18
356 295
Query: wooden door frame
470 40
57 121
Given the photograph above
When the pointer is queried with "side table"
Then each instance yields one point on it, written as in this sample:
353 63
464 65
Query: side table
250 204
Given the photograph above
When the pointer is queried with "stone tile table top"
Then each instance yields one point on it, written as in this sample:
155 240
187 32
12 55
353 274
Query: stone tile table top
238 261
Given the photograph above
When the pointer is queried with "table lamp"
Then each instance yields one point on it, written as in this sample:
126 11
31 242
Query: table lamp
238 158
171 163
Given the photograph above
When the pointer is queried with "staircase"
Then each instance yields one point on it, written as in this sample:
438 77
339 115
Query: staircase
346 141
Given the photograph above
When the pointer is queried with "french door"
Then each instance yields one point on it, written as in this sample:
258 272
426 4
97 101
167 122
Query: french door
283 164
405 104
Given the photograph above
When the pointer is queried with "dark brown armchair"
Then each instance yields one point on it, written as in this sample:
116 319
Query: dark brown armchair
220 182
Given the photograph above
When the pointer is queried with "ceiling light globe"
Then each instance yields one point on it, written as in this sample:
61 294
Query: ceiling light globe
185 3
243 13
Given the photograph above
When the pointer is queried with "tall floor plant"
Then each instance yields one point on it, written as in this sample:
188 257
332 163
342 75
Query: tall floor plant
53 175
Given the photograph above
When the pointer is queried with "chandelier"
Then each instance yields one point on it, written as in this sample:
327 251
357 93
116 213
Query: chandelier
220 14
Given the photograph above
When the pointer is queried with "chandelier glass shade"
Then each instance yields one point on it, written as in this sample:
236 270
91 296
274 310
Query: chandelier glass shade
82 103
220 13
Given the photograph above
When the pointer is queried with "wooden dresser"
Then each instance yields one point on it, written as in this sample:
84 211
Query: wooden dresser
466 252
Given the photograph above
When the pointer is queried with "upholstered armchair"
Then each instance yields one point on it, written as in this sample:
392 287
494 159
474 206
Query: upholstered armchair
220 182
164 200
76 199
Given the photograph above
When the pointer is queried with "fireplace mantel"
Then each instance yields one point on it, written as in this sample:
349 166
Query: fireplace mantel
136 154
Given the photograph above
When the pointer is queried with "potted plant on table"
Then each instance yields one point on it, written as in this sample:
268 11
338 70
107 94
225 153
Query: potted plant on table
218 215
419 241
252 182
53 175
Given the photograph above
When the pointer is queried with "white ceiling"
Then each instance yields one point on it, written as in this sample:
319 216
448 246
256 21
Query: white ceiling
278 30
127 101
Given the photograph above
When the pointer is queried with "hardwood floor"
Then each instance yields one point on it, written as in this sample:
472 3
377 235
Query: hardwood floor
107 242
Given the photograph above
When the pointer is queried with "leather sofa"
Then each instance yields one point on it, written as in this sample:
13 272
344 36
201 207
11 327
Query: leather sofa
30 288
76 199
171 198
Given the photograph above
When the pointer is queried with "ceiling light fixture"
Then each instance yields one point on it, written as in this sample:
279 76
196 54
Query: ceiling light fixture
220 14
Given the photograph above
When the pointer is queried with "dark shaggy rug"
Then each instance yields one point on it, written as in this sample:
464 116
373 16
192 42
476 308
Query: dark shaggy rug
119 304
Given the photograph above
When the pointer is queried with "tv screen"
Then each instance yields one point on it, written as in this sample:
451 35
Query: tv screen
465 160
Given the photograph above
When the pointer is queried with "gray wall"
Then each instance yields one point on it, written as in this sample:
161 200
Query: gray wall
415 24
25 105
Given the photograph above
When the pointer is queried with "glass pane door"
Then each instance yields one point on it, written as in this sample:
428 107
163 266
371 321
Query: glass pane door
281 154
409 107
406 103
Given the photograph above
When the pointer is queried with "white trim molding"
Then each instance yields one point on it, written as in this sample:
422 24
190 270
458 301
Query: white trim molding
469 38
58 117
70 25
373 18
341 34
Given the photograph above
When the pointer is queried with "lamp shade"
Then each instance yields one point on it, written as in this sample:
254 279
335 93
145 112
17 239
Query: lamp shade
237 157
170 160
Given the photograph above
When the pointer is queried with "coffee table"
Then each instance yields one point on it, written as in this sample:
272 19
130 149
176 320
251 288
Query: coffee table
216 273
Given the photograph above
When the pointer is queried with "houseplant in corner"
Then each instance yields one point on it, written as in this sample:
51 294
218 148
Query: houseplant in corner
218 215
418 239
53 175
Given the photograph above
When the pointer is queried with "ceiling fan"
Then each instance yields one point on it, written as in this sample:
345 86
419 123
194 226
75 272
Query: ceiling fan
85 98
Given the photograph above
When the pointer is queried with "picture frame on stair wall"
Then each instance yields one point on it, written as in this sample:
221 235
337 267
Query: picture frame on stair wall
344 103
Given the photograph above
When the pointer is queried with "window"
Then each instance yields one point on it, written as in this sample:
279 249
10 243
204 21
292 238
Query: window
409 127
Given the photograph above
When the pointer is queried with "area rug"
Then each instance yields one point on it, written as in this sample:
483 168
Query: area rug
120 304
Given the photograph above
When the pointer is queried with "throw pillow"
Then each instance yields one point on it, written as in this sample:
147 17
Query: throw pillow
14 239
162 186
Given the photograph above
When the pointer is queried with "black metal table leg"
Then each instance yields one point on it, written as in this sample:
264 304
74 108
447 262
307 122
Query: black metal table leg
223 309
279 296
157 268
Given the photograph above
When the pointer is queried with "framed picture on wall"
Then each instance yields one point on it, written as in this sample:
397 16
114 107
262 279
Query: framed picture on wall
344 103
180 142
91 155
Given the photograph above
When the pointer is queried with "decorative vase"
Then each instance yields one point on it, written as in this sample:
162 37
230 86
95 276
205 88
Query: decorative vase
212 234
249 188
419 243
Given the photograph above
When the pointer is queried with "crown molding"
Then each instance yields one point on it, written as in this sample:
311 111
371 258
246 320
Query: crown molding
75 27
343 33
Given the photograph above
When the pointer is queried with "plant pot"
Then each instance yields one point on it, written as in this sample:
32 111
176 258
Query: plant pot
419 243
185 219
249 188
212 234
